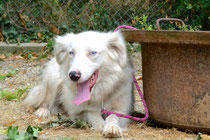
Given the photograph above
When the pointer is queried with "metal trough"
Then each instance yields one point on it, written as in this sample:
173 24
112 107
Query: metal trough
176 76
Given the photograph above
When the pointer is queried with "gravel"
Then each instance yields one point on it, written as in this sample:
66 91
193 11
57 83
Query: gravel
28 74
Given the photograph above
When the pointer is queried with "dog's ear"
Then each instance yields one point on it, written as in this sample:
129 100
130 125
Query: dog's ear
61 47
117 48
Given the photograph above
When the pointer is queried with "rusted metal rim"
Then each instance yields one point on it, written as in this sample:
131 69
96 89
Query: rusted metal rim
175 37
168 19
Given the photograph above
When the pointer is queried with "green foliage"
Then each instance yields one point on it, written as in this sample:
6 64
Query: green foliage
199 136
27 54
12 96
51 18
10 74
90 16
50 45
14 32
142 23
13 133
48 50
31 133
43 56
193 12
133 48
2 77
173 26
189 28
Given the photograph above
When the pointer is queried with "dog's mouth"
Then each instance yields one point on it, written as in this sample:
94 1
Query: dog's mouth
84 89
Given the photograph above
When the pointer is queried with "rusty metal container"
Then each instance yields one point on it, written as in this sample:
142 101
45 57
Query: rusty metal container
176 76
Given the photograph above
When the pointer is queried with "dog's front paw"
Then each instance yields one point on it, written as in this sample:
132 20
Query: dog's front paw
112 130
42 112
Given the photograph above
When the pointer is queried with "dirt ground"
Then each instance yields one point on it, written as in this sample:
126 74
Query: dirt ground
29 73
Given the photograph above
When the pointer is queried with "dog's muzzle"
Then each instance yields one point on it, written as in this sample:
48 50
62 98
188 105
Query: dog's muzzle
75 75
84 88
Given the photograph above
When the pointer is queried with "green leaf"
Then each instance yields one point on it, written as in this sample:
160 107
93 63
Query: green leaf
64 25
84 21
50 45
14 72
189 6
20 92
32 132
13 133
43 56
199 137
2 77
139 48
8 95
35 133
28 133
29 56
12 95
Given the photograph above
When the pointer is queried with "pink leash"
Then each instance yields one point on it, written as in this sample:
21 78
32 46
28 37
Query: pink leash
139 91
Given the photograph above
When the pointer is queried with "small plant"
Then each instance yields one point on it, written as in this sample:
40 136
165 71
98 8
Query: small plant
2 77
189 28
31 133
50 45
46 50
43 56
134 48
28 54
142 22
194 12
177 26
10 74
199 136
12 96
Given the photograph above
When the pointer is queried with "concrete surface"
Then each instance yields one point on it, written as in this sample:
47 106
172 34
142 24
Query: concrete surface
9 48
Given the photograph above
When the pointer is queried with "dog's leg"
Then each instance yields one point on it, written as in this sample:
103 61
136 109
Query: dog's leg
96 120
111 127
43 98
48 105
42 112
36 98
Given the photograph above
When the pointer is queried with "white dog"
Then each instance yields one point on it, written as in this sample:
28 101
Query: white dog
90 72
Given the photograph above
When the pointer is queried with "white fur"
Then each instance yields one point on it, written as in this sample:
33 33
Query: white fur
113 88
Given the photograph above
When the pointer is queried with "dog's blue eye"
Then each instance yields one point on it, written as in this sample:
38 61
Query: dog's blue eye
92 53
71 53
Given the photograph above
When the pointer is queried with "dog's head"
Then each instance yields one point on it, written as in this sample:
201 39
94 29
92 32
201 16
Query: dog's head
85 53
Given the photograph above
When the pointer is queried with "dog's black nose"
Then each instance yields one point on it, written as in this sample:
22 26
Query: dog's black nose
75 75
